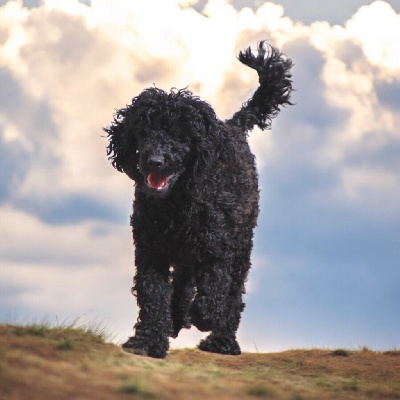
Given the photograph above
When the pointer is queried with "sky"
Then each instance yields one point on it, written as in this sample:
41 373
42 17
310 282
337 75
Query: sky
327 247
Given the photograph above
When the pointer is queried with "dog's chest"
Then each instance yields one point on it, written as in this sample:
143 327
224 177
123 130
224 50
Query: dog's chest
169 232
183 232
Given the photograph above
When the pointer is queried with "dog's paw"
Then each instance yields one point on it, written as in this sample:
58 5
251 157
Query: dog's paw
142 347
222 344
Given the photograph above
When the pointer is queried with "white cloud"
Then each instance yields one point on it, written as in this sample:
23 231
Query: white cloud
377 28
271 16
24 237
65 293
96 54
12 16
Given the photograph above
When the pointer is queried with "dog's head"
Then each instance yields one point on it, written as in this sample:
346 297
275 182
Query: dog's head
161 137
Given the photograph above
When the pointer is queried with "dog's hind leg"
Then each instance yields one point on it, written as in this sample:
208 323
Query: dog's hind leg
224 288
153 291
182 296
215 309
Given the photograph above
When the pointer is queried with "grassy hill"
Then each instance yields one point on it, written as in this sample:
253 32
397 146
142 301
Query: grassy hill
40 362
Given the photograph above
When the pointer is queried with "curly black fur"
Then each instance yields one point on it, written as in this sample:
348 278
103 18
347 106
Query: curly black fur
195 207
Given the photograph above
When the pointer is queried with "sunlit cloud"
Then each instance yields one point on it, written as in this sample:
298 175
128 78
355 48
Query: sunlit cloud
377 29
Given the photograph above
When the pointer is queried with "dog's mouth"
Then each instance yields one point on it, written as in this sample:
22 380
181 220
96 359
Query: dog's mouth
158 181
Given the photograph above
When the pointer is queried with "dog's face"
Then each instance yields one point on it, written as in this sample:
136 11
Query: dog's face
161 137
163 157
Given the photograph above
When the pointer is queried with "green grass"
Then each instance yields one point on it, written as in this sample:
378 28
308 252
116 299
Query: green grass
68 333
32 329
341 352
136 389
66 344
351 386
394 353
261 392
98 331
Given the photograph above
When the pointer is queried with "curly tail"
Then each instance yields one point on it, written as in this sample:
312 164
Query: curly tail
273 69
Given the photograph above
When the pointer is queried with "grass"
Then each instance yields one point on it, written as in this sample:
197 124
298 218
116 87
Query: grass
33 329
261 392
138 389
75 360
66 344
76 327
341 352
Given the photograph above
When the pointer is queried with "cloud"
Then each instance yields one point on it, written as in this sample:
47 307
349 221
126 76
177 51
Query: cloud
328 170
25 238
387 91
34 292
335 13
379 46
13 159
65 272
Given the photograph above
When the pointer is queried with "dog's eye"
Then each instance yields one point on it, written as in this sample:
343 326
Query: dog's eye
137 151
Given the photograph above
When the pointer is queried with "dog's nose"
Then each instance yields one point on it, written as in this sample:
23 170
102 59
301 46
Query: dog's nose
155 161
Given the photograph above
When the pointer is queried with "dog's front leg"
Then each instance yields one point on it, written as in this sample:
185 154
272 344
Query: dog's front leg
153 292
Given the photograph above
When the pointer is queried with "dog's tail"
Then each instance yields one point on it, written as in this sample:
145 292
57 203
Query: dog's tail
273 69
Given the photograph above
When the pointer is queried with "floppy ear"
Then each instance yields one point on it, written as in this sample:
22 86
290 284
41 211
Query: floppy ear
122 149
206 133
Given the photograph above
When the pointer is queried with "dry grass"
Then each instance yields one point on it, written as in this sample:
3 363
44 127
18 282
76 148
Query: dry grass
44 362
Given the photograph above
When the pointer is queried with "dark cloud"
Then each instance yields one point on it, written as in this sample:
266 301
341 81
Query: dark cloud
311 107
330 274
351 54
378 150
298 226
320 305
33 120
388 93
36 3
199 5
32 117
331 266
299 220
14 164
72 209
26 3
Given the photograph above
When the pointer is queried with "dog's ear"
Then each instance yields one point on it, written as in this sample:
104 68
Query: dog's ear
207 141
122 150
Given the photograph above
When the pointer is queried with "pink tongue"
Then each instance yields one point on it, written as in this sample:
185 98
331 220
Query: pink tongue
157 181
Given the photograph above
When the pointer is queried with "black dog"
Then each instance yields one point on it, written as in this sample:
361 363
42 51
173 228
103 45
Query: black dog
196 205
